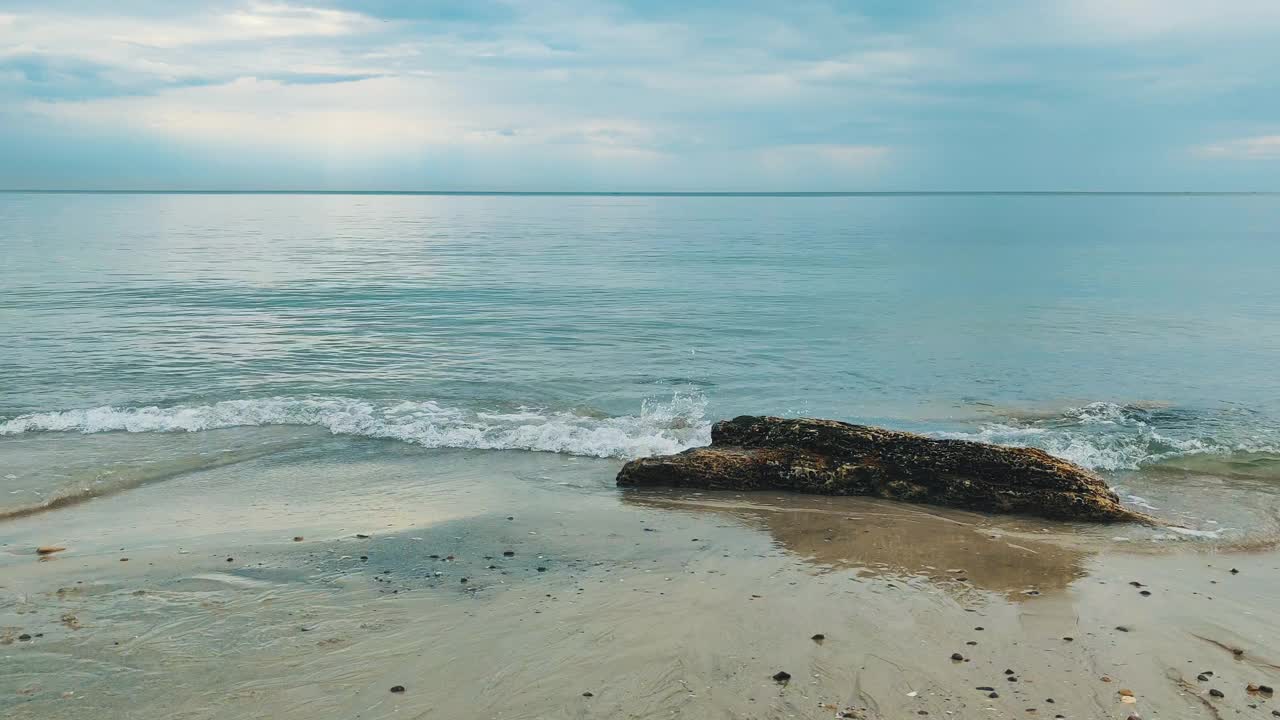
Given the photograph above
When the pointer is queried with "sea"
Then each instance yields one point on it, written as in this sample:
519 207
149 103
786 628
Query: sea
148 336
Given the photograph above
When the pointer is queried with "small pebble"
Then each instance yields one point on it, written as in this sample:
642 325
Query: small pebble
297 538
781 676
957 657
24 637
397 688
1216 693
818 638
1145 593
587 694
994 695
231 559
1122 628
541 569
508 553
1235 571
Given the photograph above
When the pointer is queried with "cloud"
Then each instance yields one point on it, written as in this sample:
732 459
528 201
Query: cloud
1262 147
800 93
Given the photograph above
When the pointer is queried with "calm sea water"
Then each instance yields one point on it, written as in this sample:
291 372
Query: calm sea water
1122 332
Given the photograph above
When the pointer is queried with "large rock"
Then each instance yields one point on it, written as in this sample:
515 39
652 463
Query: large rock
834 458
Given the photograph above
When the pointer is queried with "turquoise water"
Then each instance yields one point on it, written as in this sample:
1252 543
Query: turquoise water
1128 333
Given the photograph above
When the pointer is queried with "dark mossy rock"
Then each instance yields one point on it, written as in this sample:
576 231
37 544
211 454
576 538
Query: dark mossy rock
833 458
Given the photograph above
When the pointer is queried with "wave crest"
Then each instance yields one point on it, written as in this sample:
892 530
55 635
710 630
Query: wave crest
659 428
1112 437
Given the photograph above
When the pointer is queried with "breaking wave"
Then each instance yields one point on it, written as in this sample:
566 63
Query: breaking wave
659 428
1111 437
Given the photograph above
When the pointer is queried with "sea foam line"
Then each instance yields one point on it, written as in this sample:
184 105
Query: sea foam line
659 428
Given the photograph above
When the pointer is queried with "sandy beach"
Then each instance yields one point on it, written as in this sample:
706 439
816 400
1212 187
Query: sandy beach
343 570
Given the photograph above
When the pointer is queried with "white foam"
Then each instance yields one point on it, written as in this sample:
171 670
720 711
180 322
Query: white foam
659 427
1101 436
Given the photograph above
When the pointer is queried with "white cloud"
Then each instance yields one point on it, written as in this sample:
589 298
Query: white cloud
1150 19
1261 147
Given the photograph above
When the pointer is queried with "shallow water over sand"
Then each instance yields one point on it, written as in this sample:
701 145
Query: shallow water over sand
657 603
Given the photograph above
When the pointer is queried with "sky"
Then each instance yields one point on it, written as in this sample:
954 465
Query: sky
667 95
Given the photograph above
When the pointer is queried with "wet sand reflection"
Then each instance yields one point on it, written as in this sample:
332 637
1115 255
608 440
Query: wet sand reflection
955 549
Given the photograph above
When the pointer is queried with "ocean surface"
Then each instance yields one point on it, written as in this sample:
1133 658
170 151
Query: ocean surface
149 335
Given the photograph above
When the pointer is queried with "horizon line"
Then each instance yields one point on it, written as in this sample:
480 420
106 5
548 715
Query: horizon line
626 193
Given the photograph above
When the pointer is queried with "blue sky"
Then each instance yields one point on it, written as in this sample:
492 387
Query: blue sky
579 94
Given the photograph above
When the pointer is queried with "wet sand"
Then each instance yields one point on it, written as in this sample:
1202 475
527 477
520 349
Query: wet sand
614 604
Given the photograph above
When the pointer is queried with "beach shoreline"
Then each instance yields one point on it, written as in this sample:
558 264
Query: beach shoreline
612 603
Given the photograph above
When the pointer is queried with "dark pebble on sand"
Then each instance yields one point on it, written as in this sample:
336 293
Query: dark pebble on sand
364 557
979 628
1235 571
972 642
508 553
1145 593
1266 690
781 676
1216 693
1135 583
362 536
1237 652
1202 677
397 688
1068 638
994 695
511 517
1122 628
985 688
541 569
818 638
231 559
1008 672
24 637
957 657
492 567
463 581
1049 700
